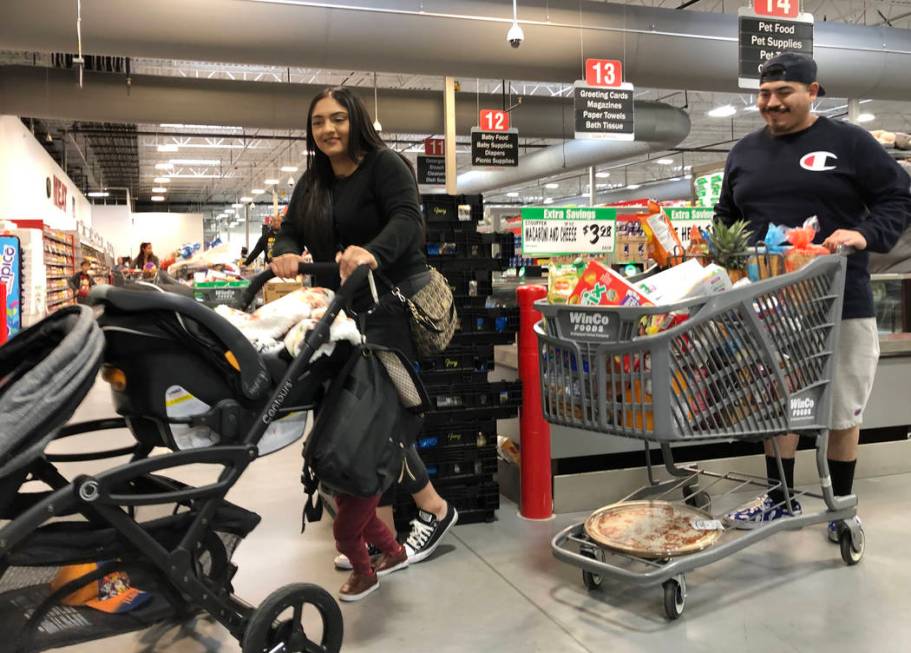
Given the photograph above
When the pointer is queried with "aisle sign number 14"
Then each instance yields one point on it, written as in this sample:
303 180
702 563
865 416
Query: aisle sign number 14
777 8
493 120
604 72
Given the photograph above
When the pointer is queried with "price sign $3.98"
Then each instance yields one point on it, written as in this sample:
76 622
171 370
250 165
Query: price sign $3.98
597 231
777 8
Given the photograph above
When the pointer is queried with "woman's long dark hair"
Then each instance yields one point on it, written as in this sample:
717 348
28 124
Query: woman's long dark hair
310 202
142 255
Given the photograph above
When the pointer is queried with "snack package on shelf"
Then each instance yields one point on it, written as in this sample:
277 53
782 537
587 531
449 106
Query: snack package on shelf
601 286
683 281
802 249
663 241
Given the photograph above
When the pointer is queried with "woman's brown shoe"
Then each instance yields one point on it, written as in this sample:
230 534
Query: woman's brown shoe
358 586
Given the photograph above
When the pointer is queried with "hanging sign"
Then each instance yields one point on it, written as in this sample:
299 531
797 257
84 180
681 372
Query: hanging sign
434 146
777 8
554 232
494 149
493 120
603 72
431 170
603 102
763 37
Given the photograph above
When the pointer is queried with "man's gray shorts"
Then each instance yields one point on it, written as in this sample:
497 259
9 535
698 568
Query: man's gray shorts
855 369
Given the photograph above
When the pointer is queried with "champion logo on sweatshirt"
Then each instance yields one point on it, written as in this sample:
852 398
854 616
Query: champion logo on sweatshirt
817 161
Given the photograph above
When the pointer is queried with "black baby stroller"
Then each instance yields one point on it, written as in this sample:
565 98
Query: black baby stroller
180 562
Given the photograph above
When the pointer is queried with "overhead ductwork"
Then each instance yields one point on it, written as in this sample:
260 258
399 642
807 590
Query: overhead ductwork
658 127
663 191
52 93
661 48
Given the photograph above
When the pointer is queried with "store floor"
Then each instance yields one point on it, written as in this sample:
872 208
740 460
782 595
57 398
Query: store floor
496 587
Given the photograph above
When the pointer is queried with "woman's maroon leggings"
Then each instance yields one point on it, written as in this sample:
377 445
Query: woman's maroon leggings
356 524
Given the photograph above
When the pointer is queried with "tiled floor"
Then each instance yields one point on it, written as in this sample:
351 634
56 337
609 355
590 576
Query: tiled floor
496 587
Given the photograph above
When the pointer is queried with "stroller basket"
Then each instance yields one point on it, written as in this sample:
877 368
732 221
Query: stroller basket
748 363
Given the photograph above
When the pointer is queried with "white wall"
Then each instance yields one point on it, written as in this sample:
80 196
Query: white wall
166 231
25 168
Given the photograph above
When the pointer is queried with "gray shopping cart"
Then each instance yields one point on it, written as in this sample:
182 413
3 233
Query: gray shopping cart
747 364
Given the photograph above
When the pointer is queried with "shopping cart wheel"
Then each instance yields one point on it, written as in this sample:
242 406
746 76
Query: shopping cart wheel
590 580
852 549
674 596
279 621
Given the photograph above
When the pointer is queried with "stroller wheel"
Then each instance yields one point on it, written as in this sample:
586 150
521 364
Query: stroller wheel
282 623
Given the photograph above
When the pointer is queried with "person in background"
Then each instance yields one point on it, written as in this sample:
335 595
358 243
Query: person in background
357 204
82 282
266 242
146 257
801 165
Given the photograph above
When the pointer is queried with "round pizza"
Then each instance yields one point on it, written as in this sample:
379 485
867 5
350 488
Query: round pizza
653 529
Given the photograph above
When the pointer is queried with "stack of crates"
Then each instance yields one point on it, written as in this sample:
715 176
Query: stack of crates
459 441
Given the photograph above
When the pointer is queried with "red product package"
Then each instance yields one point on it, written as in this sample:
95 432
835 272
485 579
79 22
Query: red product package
601 286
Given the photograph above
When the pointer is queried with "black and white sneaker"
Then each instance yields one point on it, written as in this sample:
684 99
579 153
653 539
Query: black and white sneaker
342 563
426 533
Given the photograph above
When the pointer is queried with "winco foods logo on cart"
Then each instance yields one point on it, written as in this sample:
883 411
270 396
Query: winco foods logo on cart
802 408
589 323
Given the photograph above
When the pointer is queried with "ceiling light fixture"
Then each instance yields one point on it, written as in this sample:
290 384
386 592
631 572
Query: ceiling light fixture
162 180
602 175
164 166
552 185
512 194
270 182
229 211
634 186
246 198
665 162
289 168
548 200
98 193
159 189
168 147
257 191
196 162
866 117
237 205
377 125
157 198
725 111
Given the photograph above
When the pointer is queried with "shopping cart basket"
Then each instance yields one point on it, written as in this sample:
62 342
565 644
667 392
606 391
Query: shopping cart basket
747 364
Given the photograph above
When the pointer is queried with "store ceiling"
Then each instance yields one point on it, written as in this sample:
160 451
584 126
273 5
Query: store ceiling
214 166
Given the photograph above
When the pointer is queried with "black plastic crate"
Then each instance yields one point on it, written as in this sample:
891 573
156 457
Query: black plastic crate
447 264
488 320
447 377
453 462
478 516
466 494
445 208
469 301
459 434
486 338
454 397
475 359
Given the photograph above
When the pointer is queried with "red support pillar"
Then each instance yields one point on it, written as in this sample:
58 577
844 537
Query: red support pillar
536 500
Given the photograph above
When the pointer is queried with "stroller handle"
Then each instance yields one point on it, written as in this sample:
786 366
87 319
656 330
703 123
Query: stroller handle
347 290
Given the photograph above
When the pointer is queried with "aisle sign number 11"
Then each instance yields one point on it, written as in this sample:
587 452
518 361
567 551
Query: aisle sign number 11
777 8
604 72
493 120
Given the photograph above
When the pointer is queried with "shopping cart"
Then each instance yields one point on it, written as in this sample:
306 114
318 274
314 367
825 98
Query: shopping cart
747 364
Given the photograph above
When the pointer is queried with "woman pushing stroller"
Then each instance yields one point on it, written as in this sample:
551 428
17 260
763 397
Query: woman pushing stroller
357 204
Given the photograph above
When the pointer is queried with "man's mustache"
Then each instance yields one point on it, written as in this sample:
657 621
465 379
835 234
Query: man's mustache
779 110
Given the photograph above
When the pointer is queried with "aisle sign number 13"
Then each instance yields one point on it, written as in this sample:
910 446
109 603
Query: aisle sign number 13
493 120
777 8
603 72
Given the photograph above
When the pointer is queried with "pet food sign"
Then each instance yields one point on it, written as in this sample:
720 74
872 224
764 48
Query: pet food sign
568 230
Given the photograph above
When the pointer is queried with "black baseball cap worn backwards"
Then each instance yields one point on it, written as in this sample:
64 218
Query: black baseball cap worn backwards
790 67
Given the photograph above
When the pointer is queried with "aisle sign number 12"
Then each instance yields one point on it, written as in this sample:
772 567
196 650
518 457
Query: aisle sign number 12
493 120
777 8
604 72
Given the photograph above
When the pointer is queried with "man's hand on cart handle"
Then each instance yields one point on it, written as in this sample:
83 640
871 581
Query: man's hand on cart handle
351 258
285 266
845 238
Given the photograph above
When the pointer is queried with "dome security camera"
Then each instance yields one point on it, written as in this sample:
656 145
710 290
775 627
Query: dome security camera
515 35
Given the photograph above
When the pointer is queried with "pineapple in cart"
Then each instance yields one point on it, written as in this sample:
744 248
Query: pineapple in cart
729 247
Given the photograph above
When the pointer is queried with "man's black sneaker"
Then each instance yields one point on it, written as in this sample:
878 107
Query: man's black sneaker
426 533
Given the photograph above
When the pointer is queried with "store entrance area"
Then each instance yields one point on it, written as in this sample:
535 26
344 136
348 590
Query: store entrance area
497 587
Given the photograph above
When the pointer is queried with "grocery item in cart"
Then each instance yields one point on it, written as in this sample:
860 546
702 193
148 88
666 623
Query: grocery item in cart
561 281
802 249
653 529
689 279
663 241
601 286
